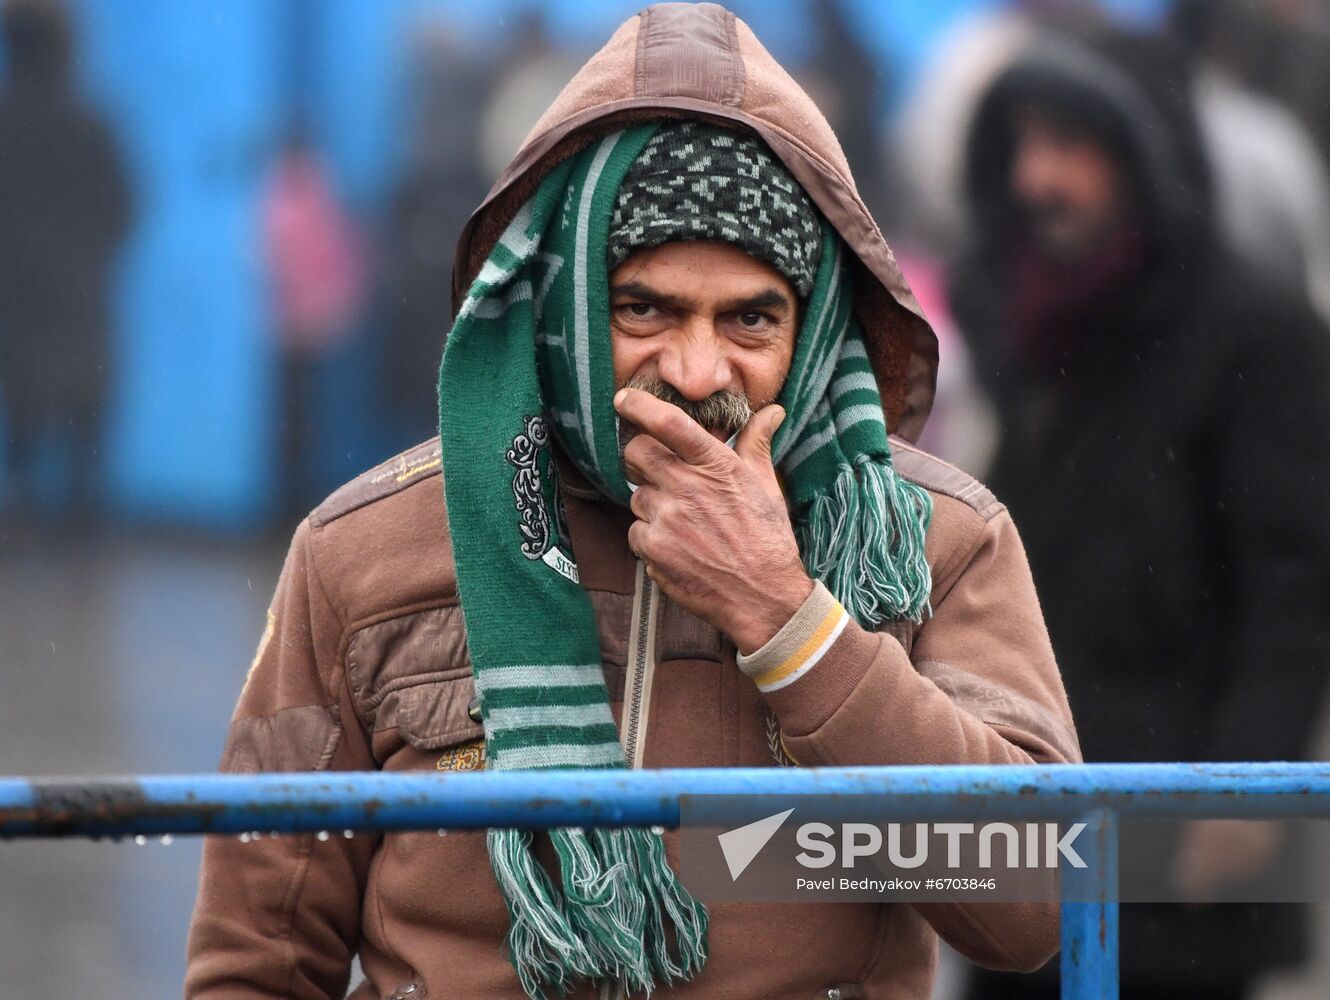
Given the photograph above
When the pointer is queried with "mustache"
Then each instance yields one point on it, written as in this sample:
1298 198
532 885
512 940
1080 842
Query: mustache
1043 211
725 410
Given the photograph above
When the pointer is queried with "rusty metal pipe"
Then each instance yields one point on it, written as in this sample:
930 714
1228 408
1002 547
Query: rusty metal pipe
191 804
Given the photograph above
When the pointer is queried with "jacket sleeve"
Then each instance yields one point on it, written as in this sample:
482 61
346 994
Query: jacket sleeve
280 916
980 687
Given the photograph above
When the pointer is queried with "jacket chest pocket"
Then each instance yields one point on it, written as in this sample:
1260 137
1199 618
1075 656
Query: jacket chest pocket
429 724
411 680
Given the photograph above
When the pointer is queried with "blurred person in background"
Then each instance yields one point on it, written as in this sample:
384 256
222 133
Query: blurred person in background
1271 187
317 274
64 211
1271 192
1165 445
848 82
1279 48
528 75
928 138
441 184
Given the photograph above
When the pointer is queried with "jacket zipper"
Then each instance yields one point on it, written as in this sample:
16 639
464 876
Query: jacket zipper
641 668
637 692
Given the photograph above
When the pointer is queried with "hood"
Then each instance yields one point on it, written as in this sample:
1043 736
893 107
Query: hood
1133 93
679 60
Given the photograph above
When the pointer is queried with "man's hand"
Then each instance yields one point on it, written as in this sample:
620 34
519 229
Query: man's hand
711 525
1216 852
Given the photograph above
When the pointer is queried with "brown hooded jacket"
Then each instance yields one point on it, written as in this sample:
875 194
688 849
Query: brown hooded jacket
364 666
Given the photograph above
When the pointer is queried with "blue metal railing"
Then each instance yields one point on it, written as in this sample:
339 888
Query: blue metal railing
1095 794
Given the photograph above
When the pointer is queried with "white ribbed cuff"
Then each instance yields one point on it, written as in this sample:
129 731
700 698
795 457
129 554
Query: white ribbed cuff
800 644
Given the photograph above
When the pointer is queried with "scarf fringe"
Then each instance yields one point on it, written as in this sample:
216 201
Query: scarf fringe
666 897
605 907
864 539
542 945
619 900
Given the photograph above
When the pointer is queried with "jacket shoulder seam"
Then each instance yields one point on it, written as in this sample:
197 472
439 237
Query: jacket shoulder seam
404 469
940 477
338 666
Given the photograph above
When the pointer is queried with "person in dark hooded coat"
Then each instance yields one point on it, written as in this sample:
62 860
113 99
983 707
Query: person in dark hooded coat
1166 440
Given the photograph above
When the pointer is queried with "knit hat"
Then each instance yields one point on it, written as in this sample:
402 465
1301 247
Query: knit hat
696 181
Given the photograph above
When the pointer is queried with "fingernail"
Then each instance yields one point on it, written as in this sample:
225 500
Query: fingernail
618 396
780 419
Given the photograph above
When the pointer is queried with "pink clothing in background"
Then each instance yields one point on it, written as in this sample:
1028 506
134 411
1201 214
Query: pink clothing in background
314 257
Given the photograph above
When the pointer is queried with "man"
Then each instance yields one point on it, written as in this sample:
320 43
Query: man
1165 433
600 581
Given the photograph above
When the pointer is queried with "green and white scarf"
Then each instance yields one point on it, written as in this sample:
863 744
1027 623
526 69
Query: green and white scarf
530 349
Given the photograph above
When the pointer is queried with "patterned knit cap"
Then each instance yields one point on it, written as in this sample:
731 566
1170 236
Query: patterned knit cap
696 181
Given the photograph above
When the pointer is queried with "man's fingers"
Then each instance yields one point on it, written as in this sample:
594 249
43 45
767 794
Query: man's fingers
754 444
644 502
669 425
646 460
1217 851
754 449
637 537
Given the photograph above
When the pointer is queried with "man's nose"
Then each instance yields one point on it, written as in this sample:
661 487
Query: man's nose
1035 169
696 362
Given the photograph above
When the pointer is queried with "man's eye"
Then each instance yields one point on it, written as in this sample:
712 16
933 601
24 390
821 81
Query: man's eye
639 310
753 320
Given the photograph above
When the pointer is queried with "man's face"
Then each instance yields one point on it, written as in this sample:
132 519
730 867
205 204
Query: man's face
1069 190
705 326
